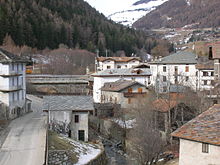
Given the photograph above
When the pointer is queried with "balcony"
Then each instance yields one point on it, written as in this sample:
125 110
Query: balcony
10 74
133 94
10 88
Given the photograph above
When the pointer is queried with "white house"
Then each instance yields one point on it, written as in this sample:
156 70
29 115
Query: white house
69 114
205 76
102 63
177 68
12 83
200 139
214 54
123 92
140 75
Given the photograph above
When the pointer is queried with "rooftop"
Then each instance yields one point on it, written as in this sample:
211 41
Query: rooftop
118 59
65 103
123 72
216 50
177 58
119 85
204 128
7 57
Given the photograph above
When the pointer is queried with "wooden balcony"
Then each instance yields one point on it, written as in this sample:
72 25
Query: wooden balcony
134 94
10 74
10 89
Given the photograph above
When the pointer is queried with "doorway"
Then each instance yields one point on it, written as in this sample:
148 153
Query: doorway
81 135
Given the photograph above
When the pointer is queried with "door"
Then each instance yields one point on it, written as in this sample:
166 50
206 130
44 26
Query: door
81 135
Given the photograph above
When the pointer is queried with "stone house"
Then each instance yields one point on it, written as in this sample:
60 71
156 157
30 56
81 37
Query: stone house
140 75
177 68
12 84
200 139
69 114
103 63
127 93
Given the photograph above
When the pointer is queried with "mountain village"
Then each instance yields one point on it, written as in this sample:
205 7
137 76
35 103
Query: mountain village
109 83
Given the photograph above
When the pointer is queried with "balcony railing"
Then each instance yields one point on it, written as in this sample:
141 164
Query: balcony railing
10 88
11 73
133 94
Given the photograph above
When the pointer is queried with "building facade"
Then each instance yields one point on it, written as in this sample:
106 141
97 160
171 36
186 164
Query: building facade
141 76
126 93
69 115
12 83
103 63
178 68
200 139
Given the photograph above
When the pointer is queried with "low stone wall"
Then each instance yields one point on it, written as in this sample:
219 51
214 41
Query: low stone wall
101 159
58 157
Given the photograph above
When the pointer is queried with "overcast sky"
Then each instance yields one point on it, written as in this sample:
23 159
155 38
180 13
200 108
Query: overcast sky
108 7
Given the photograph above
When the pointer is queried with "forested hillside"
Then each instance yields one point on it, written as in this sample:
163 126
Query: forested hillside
180 13
48 23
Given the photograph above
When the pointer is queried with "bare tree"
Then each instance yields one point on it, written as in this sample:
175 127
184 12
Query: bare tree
146 142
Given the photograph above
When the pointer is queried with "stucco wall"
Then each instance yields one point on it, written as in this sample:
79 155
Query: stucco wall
191 154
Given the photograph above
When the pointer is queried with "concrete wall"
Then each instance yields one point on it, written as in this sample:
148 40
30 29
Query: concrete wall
191 154
208 78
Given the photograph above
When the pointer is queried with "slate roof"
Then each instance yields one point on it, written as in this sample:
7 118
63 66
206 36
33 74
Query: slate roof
123 72
7 57
119 85
177 58
65 103
118 59
204 128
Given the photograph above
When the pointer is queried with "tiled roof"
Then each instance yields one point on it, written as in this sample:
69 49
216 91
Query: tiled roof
123 72
7 57
209 65
118 59
204 128
164 105
216 50
119 85
65 103
177 58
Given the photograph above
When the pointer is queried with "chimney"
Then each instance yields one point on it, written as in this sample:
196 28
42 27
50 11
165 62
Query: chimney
210 53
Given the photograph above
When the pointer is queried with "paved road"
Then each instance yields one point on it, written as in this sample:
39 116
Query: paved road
25 143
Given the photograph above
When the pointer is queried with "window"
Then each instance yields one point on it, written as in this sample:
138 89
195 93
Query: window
176 69
164 78
187 69
17 67
115 100
164 68
212 73
164 89
212 82
205 82
76 118
13 96
205 74
119 66
18 95
205 148
130 90
187 78
215 101
108 67
140 90
126 66
13 67
13 81
176 79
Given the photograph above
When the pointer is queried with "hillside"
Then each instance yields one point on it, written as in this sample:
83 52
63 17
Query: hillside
48 23
182 13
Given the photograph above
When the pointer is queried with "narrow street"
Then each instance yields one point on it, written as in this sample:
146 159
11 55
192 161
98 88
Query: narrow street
26 141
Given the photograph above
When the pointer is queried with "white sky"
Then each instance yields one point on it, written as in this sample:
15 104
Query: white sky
108 7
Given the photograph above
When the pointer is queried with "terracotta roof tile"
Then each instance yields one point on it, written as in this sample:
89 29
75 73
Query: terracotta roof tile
204 128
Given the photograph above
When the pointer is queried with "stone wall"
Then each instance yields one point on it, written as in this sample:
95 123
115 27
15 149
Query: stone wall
59 157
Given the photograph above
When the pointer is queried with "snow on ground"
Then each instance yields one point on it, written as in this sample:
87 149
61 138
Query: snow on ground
86 151
125 124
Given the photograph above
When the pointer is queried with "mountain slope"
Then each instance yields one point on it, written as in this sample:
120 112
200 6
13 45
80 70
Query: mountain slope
135 11
180 13
48 23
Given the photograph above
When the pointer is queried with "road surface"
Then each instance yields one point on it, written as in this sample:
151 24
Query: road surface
26 141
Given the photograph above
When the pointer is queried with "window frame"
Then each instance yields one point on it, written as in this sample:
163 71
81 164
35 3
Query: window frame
205 148
76 118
